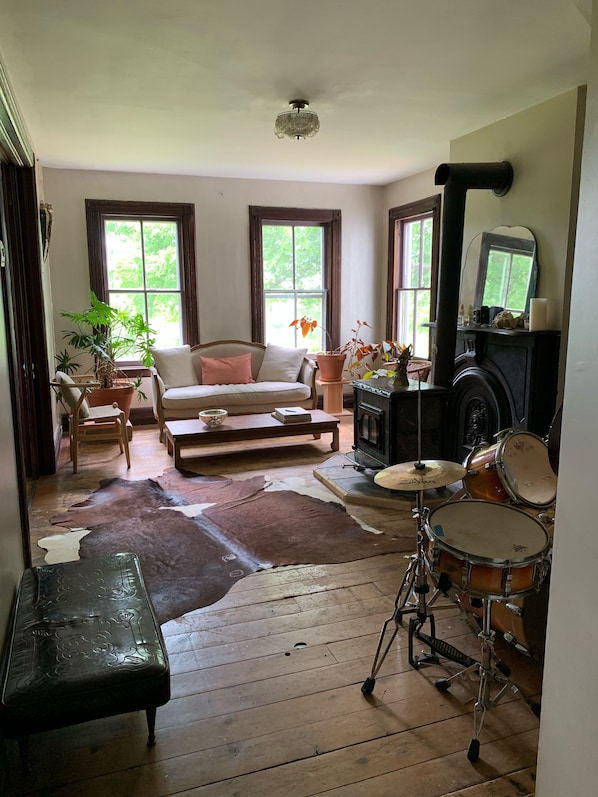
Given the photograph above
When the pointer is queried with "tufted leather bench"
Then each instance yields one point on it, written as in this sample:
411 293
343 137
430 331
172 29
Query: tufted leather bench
84 644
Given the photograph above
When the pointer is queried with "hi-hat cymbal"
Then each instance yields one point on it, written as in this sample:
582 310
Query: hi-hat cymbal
431 473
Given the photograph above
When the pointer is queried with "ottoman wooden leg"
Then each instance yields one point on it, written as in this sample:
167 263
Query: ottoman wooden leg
151 726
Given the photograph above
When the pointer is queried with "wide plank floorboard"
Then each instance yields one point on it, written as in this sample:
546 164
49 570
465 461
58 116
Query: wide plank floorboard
266 683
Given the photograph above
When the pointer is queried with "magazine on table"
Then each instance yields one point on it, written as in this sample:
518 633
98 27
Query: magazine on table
291 414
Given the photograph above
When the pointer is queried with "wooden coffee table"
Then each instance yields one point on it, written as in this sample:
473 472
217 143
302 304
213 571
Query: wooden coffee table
184 434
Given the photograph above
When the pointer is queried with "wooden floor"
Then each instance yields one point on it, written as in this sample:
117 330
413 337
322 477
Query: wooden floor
266 697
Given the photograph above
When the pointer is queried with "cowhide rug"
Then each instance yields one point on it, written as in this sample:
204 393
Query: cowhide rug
197 535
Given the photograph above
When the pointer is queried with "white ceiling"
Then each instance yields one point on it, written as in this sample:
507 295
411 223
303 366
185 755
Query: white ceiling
193 86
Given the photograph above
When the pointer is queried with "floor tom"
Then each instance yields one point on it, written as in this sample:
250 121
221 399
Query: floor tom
521 621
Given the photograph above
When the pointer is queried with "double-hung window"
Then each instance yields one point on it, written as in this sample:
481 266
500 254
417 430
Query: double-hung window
414 232
142 259
295 268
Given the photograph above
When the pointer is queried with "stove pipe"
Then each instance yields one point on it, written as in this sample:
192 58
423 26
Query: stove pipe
457 178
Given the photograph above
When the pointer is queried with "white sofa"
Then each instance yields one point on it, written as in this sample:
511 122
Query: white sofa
280 377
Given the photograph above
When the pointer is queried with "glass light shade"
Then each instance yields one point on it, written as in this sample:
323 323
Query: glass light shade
298 123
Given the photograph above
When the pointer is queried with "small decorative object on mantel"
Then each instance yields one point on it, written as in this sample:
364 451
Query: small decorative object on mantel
401 379
505 320
538 314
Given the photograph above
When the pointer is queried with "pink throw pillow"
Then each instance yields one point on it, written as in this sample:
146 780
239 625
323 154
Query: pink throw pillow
226 370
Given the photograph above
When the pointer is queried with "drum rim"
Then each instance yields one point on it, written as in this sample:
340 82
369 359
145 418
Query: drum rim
484 560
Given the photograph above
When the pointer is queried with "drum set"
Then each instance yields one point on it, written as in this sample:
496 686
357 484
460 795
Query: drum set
487 551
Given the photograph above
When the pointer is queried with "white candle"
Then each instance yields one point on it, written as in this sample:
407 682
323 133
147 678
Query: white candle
538 312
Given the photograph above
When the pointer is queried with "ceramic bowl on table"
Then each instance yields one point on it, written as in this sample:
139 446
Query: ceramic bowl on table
213 418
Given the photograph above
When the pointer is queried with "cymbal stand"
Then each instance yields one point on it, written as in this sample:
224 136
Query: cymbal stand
490 669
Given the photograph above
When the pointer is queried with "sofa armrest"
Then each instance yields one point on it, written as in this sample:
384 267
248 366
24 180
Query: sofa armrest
158 389
307 375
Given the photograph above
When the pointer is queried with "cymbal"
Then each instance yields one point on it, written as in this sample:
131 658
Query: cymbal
406 476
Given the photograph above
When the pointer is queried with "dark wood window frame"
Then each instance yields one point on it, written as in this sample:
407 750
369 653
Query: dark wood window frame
97 210
330 220
430 205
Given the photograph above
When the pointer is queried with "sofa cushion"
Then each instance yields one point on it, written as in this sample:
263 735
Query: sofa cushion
226 370
174 366
280 364
253 397
71 394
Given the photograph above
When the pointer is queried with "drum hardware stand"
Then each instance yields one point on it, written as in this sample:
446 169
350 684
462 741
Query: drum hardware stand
415 583
415 580
490 669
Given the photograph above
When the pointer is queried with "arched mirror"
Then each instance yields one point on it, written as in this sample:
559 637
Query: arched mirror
500 270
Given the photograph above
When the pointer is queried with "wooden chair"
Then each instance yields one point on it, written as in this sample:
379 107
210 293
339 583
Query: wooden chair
93 423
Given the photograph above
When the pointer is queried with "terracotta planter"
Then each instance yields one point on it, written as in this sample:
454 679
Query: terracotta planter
330 367
121 394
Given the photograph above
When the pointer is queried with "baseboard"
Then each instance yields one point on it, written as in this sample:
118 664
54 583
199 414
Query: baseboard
142 416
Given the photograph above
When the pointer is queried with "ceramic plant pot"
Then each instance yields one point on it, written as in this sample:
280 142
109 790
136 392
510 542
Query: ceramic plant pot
330 367
121 394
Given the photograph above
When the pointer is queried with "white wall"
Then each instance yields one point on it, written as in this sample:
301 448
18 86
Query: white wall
567 762
541 143
222 240
410 189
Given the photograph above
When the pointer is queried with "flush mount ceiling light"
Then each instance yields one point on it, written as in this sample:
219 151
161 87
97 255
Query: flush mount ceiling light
298 123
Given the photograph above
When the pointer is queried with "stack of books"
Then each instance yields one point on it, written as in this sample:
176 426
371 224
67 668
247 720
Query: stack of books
291 414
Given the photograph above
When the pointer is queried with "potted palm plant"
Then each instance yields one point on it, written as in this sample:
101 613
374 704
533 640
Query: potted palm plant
108 334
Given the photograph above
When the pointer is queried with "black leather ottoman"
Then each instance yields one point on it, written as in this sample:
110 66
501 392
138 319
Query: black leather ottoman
84 644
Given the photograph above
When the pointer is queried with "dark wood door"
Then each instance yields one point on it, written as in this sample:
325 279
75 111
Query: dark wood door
25 320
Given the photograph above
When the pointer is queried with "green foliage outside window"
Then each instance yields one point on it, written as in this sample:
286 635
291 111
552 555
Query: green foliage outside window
507 280
293 281
415 292
143 273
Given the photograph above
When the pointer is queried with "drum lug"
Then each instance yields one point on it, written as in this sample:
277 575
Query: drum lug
511 639
516 610
507 581
490 466
465 575
503 433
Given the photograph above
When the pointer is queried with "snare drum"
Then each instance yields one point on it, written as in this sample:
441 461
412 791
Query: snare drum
487 549
515 469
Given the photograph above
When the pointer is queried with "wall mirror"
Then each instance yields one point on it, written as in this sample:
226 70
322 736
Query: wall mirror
500 270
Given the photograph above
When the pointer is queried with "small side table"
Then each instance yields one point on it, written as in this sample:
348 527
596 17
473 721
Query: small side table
332 393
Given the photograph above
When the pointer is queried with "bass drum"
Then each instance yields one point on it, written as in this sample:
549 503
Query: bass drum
516 470
521 621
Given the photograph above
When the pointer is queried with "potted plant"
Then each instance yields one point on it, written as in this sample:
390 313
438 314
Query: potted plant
108 335
352 356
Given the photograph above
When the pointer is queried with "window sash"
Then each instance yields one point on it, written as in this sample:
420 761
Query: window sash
330 222
406 292
98 211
